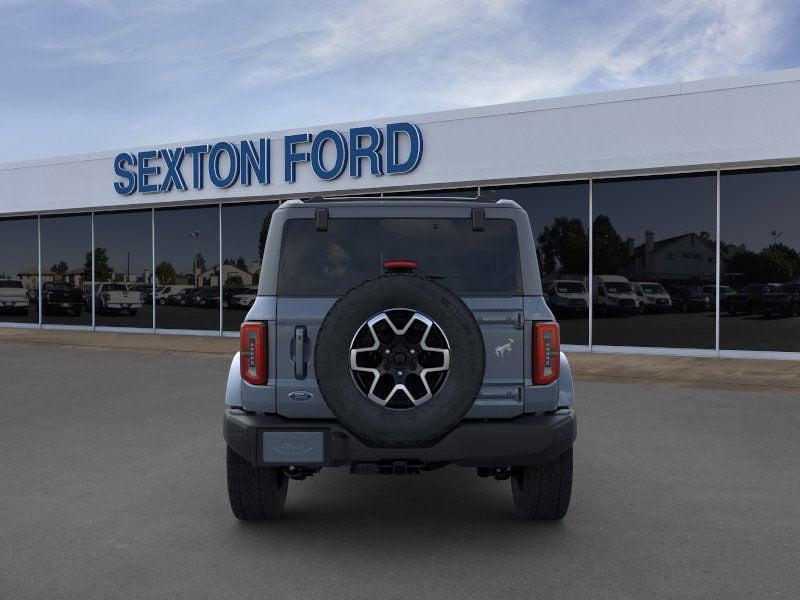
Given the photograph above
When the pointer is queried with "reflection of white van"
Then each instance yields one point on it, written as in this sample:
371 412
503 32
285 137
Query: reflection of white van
567 296
613 294
651 297
168 291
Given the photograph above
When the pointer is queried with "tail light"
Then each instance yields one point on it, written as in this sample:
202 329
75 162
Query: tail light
546 352
253 353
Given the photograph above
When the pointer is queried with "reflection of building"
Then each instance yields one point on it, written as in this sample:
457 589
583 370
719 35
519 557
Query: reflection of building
688 258
675 144
230 273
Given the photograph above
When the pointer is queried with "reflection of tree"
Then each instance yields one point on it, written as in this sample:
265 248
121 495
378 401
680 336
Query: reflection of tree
563 247
165 273
776 263
60 268
200 262
102 271
262 236
609 252
239 263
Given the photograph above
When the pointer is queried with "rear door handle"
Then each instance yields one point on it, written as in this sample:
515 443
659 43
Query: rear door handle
300 352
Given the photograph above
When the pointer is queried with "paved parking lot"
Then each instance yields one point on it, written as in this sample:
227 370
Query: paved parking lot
113 486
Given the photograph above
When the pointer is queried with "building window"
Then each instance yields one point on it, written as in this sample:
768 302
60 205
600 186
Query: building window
123 257
187 268
760 255
67 269
19 270
559 218
653 219
244 233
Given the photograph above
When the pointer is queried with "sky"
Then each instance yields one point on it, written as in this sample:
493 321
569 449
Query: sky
90 75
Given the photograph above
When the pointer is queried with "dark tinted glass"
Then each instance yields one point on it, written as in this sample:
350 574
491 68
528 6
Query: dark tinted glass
458 193
655 231
187 259
19 272
123 267
66 269
328 263
559 217
760 231
244 233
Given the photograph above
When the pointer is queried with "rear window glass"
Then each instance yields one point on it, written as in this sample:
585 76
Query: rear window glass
329 263
10 283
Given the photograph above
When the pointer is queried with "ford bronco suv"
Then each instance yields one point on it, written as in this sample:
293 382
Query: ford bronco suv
399 336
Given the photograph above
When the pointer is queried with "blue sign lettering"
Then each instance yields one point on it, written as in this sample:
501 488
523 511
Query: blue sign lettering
329 153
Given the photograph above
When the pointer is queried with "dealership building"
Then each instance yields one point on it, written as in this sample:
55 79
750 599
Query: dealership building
683 198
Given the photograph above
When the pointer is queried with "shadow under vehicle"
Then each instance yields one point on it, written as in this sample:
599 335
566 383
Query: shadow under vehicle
689 299
651 297
62 298
747 300
785 301
14 298
567 297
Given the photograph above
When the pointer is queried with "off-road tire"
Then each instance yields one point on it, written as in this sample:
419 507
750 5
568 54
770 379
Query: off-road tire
542 492
422 423
255 493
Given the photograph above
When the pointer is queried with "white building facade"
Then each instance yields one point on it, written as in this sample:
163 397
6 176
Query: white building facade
708 168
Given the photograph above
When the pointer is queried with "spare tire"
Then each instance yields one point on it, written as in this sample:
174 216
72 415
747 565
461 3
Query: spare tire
399 360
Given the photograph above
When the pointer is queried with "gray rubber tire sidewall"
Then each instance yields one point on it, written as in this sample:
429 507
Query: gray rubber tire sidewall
429 420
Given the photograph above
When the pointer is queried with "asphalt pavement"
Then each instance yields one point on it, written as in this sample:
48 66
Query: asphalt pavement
112 485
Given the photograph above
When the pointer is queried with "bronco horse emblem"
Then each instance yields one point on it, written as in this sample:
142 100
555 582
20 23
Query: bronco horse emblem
505 350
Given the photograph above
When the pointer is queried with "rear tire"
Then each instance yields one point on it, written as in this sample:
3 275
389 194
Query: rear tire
255 493
542 492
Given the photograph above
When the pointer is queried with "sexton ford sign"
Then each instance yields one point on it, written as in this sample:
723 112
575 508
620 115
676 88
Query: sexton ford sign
224 164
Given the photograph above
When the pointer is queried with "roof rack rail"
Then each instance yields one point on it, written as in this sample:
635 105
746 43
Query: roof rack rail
488 198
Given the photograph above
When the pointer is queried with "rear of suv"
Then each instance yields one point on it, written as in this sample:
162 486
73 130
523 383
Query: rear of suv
395 337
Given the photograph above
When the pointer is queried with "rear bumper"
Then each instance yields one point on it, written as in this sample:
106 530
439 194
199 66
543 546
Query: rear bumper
525 440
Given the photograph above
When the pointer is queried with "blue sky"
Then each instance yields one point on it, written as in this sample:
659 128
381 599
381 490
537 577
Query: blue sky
88 75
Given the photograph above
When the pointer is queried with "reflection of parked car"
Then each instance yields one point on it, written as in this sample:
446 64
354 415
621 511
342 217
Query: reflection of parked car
651 297
244 300
613 294
61 297
114 298
14 298
182 297
228 292
207 297
167 294
565 296
689 299
725 293
146 290
783 301
748 299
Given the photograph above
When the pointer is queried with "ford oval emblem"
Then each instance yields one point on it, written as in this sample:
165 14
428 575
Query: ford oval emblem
300 396
290 447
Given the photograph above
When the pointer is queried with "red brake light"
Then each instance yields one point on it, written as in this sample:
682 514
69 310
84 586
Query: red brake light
253 353
546 353
399 264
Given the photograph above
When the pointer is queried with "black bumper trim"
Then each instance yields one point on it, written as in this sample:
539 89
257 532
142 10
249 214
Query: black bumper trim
524 440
